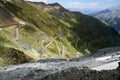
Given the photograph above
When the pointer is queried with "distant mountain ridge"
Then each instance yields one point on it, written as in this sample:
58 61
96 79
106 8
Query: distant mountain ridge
111 16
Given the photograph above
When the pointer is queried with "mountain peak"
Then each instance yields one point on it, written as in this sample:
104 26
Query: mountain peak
111 16
39 3
55 4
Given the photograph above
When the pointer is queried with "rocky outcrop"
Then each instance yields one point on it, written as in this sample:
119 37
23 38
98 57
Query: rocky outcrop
12 56
55 71
83 74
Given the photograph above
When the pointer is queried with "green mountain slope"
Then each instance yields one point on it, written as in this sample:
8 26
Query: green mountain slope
55 33
41 36
94 33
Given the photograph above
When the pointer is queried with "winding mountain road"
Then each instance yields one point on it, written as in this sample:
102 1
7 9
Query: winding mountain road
6 26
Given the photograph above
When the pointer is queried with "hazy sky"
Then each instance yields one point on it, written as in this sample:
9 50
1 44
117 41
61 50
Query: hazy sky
84 6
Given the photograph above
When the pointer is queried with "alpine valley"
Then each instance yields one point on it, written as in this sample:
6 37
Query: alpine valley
40 41
30 31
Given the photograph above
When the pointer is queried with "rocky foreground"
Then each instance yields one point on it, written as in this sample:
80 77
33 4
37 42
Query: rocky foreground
56 71
101 66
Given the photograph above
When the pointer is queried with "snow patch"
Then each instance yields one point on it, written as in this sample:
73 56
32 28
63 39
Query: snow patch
103 58
108 66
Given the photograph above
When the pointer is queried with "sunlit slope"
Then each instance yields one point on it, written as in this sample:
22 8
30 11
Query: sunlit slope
95 34
37 34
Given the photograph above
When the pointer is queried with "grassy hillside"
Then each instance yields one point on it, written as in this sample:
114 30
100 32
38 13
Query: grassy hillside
60 34
42 36
5 18
95 34
12 56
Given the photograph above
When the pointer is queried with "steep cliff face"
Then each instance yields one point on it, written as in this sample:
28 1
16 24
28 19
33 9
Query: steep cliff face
52 33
